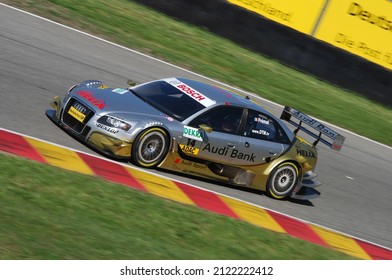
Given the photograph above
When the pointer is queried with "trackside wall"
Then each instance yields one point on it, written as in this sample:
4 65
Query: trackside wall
291 47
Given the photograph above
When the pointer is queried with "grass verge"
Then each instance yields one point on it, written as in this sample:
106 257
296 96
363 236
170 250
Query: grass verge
85 217
138 27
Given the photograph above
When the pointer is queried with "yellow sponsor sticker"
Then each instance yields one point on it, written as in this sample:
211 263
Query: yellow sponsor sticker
189 149
76 114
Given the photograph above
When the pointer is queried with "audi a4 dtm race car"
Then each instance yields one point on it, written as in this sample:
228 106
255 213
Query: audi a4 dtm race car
195 128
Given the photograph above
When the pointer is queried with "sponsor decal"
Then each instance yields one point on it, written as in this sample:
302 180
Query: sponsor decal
306 153
103 86
199 166
264 7
216 150
106 128
76 114
99 103
301 15
361 27
79 107
361 47
192 133
225 151
242 156
315 124
191 164
357 10
190 146
260 132
199 97
170 119
120 90
189 150
261 120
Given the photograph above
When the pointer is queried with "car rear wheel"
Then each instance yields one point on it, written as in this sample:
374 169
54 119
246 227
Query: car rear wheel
150 147
283 180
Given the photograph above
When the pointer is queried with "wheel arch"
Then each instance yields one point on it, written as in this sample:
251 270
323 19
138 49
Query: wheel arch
139 135
274 170
155 124
276 163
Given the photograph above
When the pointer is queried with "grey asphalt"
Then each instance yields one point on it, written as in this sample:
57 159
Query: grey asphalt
39 59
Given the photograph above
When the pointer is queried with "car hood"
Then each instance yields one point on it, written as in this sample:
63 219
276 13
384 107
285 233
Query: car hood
117 100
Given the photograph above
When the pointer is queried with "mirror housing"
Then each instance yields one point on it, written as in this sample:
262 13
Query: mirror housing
131 83
206 128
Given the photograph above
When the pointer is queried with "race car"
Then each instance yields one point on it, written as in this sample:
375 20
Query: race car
195 128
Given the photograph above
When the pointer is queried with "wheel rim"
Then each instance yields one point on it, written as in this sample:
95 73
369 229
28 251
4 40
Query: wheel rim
284 180
152 147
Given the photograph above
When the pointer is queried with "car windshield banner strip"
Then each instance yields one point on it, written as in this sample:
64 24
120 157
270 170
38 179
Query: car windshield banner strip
337 139
199 97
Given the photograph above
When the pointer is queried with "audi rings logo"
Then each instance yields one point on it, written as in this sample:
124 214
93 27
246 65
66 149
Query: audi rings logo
79 107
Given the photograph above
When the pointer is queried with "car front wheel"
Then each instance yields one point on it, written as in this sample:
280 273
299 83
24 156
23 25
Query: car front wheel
150 147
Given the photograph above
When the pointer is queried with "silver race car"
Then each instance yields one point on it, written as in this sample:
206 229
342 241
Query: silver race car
195 128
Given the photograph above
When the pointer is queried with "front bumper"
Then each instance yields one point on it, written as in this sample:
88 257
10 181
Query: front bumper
110 145
100 142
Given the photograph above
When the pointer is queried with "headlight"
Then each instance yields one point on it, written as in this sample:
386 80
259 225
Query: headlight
114 122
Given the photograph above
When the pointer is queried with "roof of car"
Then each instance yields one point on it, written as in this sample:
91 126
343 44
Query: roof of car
225 97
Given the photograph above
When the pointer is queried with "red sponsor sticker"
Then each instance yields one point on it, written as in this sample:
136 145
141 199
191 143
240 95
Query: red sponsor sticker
99 103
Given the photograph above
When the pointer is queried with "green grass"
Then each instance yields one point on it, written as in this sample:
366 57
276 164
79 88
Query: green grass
85 217
138 27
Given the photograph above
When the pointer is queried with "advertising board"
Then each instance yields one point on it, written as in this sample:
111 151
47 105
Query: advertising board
361 27
301 15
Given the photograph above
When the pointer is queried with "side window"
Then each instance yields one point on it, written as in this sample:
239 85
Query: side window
263 127
222 119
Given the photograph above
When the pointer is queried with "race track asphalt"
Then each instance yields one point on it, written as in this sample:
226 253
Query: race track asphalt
39 59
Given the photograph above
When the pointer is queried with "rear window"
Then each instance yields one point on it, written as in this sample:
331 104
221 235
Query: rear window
168 99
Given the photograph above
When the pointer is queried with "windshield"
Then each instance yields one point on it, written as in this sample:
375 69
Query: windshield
168 99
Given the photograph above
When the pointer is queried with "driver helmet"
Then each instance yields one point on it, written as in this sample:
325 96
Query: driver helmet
229 124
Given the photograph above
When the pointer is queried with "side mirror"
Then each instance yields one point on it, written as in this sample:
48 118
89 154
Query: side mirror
206 128
131 83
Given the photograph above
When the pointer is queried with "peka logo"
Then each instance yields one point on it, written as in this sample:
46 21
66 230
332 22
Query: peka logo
357 10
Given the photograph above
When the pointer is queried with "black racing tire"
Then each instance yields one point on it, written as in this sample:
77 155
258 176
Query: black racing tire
283 180
150 147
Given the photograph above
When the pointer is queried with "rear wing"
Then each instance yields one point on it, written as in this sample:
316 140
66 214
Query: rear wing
335 140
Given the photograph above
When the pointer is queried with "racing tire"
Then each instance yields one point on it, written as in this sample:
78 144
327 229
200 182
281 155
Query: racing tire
150 147
283 180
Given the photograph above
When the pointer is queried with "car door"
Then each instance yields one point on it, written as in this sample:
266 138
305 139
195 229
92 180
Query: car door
262 137
218 140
